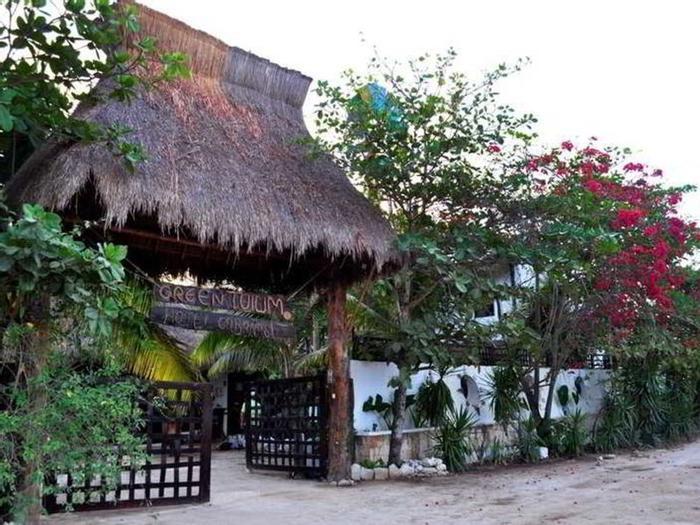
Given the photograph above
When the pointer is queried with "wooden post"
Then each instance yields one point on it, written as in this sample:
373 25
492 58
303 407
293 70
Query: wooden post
339 418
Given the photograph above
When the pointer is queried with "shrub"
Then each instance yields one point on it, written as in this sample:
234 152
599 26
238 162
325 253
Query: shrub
433 402
529 441
503 394
453 439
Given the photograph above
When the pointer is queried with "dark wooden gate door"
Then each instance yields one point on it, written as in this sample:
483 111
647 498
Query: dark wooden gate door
178 449
286 425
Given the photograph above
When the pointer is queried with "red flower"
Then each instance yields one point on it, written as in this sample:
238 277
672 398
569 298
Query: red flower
588 168
626 218
661 249
634 166
567 145
676 228
494 148
675 198
593 186
652 231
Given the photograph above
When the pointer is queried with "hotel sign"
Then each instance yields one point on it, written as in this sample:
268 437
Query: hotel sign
220 322
204 300
222 299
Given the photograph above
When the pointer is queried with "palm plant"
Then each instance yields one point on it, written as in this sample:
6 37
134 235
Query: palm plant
146 350
220 353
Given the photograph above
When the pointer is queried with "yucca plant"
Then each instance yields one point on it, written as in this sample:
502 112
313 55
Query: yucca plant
529 441
502 394
453 439
574 434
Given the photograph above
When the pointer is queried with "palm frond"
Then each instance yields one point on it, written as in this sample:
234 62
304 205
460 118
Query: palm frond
146 350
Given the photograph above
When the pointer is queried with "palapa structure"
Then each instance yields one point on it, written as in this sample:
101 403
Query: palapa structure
229 190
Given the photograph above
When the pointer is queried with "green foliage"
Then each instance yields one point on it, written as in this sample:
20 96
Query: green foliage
385 409
499 452
372 463
38 258
411 137
86 425
529 441
433 401
647 405
144 348
453 441
616 426
52 53
502 393
569 435
220 353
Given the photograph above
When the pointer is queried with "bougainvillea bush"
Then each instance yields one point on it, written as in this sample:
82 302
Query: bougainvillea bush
637 239
605 247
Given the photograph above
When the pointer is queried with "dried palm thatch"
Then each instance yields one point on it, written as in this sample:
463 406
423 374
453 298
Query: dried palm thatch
226 168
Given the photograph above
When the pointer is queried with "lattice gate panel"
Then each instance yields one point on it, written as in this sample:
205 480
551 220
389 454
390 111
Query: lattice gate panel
286 425
178 449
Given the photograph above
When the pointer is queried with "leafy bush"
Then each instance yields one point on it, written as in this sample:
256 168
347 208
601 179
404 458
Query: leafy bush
529 441
453 439
433 402
385 409
617 423
575 434
503 394
85 417
500 453
372 463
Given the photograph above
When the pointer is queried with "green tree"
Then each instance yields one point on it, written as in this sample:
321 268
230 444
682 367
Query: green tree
412 143
600 242
51 56
52 287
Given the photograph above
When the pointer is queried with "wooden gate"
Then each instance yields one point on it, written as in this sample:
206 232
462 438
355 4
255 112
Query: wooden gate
178 449
286 425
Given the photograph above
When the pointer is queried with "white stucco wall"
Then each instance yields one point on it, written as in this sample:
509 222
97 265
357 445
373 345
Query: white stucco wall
371 378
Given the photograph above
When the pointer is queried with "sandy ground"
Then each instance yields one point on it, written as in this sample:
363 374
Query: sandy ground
654 487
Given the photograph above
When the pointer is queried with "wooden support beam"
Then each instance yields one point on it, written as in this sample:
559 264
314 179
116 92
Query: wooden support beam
340 416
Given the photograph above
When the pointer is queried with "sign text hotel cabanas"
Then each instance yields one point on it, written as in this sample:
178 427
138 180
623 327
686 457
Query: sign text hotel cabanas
207 299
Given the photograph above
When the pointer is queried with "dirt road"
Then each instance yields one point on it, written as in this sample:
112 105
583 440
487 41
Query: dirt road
654 487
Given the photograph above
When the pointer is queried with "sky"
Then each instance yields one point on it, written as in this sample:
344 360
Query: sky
624 71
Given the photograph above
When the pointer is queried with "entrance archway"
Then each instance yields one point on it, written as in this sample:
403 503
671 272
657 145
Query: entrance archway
229 193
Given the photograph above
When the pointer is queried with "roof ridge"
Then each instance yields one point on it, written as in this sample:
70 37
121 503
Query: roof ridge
212 57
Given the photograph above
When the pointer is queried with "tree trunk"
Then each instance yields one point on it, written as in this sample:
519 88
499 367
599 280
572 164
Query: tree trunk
399 414
532 393
38 352
339 420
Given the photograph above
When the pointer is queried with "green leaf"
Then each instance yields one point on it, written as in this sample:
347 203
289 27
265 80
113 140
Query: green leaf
6 119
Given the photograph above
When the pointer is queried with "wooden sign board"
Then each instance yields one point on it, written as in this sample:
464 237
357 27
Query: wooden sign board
222 322
219 298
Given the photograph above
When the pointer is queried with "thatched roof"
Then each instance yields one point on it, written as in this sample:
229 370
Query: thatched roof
225 169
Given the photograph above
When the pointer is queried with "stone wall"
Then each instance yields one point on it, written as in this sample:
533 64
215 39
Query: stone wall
418 442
